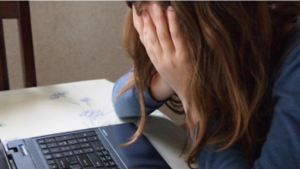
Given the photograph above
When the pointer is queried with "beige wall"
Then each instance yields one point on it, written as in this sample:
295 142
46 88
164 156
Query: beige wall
73 41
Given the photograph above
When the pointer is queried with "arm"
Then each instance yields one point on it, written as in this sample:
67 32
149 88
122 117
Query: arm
281 149
127 104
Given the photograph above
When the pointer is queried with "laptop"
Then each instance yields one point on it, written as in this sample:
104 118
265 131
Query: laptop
93 148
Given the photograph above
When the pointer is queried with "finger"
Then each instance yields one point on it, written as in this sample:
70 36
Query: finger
149 50
138 23
174 29
162 29
152 39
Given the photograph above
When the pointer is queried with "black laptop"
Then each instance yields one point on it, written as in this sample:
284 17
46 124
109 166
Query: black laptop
93 148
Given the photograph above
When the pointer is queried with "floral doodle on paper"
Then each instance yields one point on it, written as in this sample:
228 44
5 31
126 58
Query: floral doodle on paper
64 96
86 104
58 95
86 100
93 115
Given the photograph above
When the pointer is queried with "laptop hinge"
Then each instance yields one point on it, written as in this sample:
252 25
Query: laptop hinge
6 161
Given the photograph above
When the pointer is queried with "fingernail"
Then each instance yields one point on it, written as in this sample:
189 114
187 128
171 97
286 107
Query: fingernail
155 7
171 9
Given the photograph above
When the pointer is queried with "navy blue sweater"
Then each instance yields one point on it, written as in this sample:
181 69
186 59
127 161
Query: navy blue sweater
282 146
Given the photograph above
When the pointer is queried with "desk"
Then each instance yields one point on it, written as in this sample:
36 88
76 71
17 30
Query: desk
65 107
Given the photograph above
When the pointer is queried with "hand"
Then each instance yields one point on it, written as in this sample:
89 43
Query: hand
166 48
159 89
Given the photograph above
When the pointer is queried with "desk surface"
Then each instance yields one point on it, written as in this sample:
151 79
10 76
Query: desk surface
65 107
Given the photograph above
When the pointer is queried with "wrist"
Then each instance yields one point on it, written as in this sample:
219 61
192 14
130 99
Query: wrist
159 89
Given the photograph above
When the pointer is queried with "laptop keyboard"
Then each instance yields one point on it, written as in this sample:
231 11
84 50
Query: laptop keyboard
82 150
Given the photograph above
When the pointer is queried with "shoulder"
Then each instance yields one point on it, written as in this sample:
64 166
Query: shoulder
292 46
286 86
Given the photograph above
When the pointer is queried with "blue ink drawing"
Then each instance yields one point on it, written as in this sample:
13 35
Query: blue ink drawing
64 96
92 113
58 95
86 100
85 103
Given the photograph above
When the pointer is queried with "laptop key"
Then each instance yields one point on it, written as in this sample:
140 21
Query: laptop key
40 141
89 168
49 140
82 140
97 145
55 150
103 159
62 162
84 160
73 141
112 163
85 134
68 153
100 153
72 160
65 148
62 143
48 156
108 157
85 145
67 137
43 146
95 160
93 138
105 152
50 145
57 155
88 150
78 151
46 151
54 166
75 146
51 161
76 166
106 164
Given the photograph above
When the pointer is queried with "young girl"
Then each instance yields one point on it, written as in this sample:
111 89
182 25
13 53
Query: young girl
232 67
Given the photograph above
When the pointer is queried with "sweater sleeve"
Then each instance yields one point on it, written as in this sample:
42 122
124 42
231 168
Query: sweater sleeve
127 104
282 146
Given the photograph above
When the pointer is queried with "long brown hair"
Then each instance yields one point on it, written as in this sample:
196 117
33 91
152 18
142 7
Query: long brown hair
234 49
